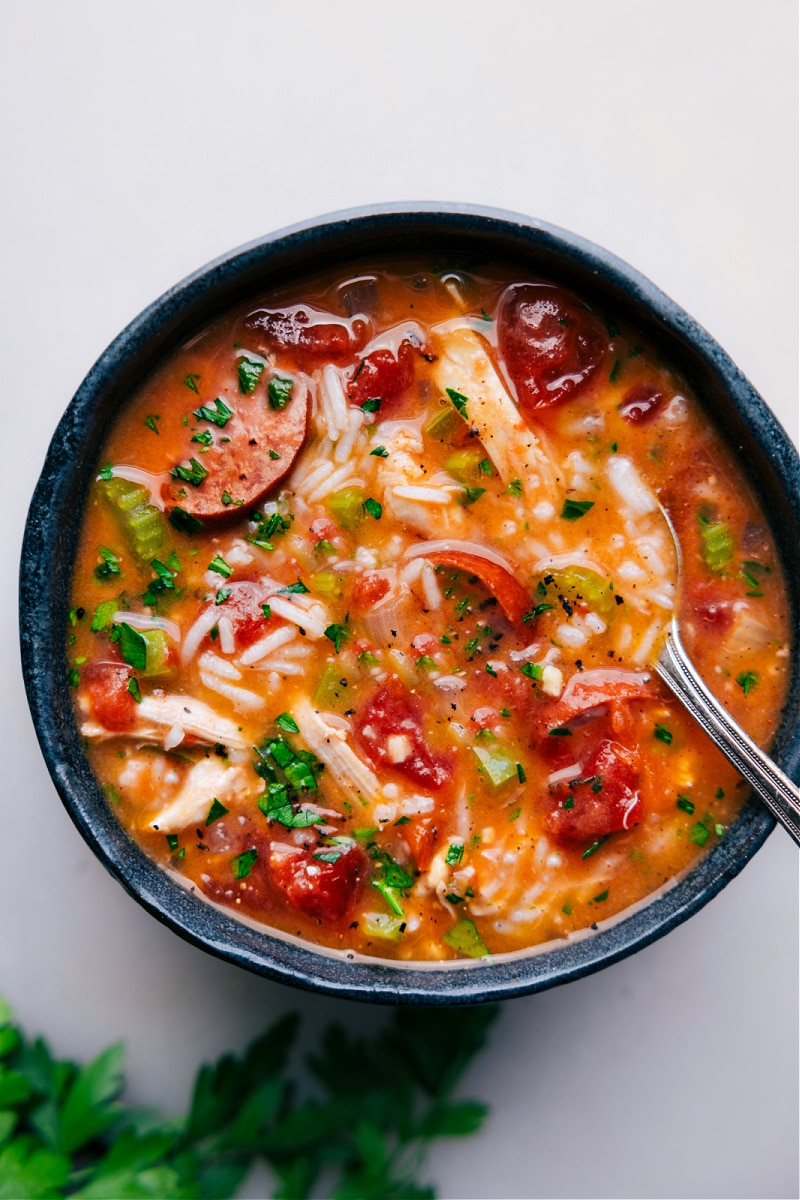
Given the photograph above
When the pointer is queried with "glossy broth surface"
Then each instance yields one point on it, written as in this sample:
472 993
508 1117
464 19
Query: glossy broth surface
369 591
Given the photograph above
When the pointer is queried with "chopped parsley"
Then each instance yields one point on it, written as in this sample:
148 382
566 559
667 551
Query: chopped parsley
537 611
243 864
532 670
367 659
132 646
150 422
379 452
515 488
374 508
133 688
699 834
459 402
219 415
279 392
684 804
337 634
426 663
194 474
455 853
747 680
106 472
595 846
249 374
203 436
662 734
616 371
470 495
219 565
294 589
191 381
372 405
573 510
287 722
183 521
560 731
216 811
110 564
521 776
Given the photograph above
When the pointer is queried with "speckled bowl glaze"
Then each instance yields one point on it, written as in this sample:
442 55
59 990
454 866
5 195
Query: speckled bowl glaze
51 536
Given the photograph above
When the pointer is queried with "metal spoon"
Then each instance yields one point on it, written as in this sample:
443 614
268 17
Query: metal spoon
781 796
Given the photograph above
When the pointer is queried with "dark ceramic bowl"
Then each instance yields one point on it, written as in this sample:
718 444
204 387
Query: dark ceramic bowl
51 536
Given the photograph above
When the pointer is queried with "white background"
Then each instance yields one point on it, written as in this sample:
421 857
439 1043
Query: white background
143 139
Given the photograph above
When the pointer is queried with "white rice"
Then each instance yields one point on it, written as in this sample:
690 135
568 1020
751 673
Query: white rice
342 477
240 697
344 449
195 635
629 485
226 640
273 640
215 665
313 626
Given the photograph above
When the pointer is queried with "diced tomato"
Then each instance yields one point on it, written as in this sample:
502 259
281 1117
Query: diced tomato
551 344
326 890
708 607
642 403
389 731
368 589
307 334
512 597
111 703
243 610
383 376
604 800
594 692
422 838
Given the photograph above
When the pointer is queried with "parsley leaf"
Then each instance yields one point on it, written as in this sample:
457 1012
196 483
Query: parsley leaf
279 392
219 415
573 510
249 374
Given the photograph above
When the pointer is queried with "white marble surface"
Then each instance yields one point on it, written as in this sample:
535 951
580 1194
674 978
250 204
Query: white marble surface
139 141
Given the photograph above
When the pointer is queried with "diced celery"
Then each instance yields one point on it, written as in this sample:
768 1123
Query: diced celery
464 938
465 465
328 584
141 524
498 764
592 588
330 689
157 662
347 507
386 926
444 424
718 546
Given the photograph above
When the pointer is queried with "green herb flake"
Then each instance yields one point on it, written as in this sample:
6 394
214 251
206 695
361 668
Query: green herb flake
566 908
379 452
337 634
216 811
662 734
719 830
219 415
560 731
532 670
470 495
110 564
426 663
367 659
699 834
298 588
747 680
465 939
172 840
573 510
267 611
107 472
249 373
191 381
132 645
685 804
279 392
372 405
73 677
403 821
287 722
184 521
515 488
150 422
219 565
455 853
720 795
222 595
374 508
133 688
513 816
203 437
104 615
194 474
569 802
600 897
521 776
595 846
243 864
537 611
459 402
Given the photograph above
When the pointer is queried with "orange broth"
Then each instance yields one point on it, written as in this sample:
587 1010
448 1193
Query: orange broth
457 754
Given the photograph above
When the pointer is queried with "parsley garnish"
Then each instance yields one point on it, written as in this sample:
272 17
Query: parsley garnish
747 680
219 565
194 474
106 472
216 811
294 589
243 864
372 405
684 804
470 495
191 382
532 670
110 564
150 422
287 722
699 834
219 415
379 452
455 853
337 634
595 846
184 521
249 374
573 510
515 488
133 688
459 402
537 611
203 436
374 508
132 645
279 392
663 734
616 371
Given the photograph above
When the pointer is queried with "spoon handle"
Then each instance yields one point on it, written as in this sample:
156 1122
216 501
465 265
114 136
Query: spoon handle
781 796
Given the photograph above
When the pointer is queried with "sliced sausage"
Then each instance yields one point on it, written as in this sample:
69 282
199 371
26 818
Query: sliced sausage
508 592
252 452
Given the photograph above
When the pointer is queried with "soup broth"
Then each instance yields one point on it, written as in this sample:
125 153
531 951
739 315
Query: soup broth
370 586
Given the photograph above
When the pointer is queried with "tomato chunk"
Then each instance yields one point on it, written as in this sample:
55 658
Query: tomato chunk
382 376
307 334
389 731
512 597
642 403
111 703
604 800
326 890
243 608
422 838
708 607
551 344
370 587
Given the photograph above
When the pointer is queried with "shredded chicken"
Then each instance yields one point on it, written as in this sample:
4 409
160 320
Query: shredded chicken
347 771
206 781
157 715
435 511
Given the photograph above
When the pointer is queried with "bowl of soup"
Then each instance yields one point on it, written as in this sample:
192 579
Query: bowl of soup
342 589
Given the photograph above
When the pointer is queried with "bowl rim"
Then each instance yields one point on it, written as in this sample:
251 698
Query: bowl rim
43 613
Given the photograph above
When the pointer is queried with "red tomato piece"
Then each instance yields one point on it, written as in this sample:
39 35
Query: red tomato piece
604 800
325 890
389 731
512 597
551 344
111 703
323 530
243 610
642 403
708 607
382 376
422 838
370 587
307 334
